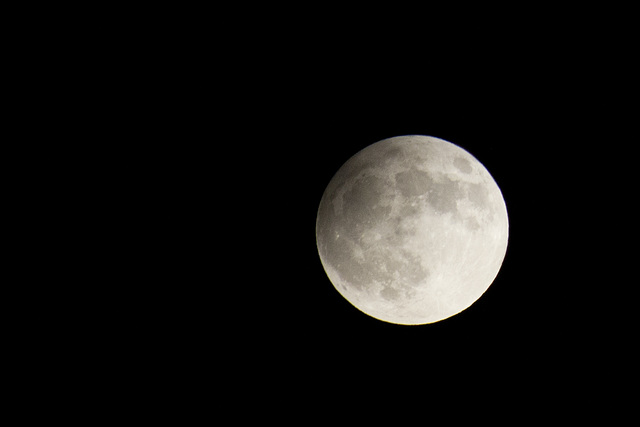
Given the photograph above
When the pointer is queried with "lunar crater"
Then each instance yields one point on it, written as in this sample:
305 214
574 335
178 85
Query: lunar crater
412 182
462 165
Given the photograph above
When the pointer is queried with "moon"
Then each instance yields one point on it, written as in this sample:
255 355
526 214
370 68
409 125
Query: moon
412 230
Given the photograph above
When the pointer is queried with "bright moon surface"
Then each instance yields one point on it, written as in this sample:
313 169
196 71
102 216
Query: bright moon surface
412 230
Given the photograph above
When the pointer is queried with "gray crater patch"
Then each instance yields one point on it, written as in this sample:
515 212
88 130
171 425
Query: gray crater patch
443 196
389 294
462 164
478 195
361 206
413 182
414 273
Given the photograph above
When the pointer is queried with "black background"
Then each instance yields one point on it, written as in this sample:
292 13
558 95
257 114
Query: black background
211 150
259 154
181 159
523 135
244 145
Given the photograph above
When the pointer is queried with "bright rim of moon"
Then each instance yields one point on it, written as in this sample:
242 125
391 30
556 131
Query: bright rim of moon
412 230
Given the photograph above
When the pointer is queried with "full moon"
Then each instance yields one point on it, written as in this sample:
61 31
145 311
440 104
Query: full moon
412 230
